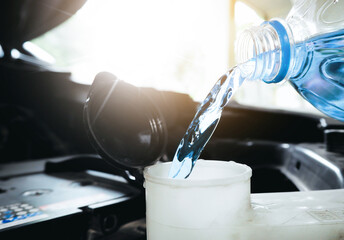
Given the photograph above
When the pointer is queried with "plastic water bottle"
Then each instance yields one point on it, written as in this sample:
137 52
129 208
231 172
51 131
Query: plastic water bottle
307 49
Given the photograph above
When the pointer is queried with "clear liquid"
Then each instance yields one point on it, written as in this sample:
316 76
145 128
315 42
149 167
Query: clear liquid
319 78
204 123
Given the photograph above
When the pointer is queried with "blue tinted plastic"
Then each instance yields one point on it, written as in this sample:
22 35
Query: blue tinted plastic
320 77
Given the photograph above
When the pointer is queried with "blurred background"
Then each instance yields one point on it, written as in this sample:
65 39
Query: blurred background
183 46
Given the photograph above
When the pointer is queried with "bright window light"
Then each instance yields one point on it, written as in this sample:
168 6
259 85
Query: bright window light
173 45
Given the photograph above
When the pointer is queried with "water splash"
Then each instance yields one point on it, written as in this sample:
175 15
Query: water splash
204 123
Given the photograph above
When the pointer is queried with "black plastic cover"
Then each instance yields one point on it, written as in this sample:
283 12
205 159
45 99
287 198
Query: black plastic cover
23 20
124 124
334 140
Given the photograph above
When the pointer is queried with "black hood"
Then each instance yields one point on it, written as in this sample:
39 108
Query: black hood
23 20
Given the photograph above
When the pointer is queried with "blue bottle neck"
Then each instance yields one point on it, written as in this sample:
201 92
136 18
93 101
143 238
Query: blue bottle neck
269 49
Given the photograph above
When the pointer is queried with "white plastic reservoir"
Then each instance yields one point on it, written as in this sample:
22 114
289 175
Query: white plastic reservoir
215 203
